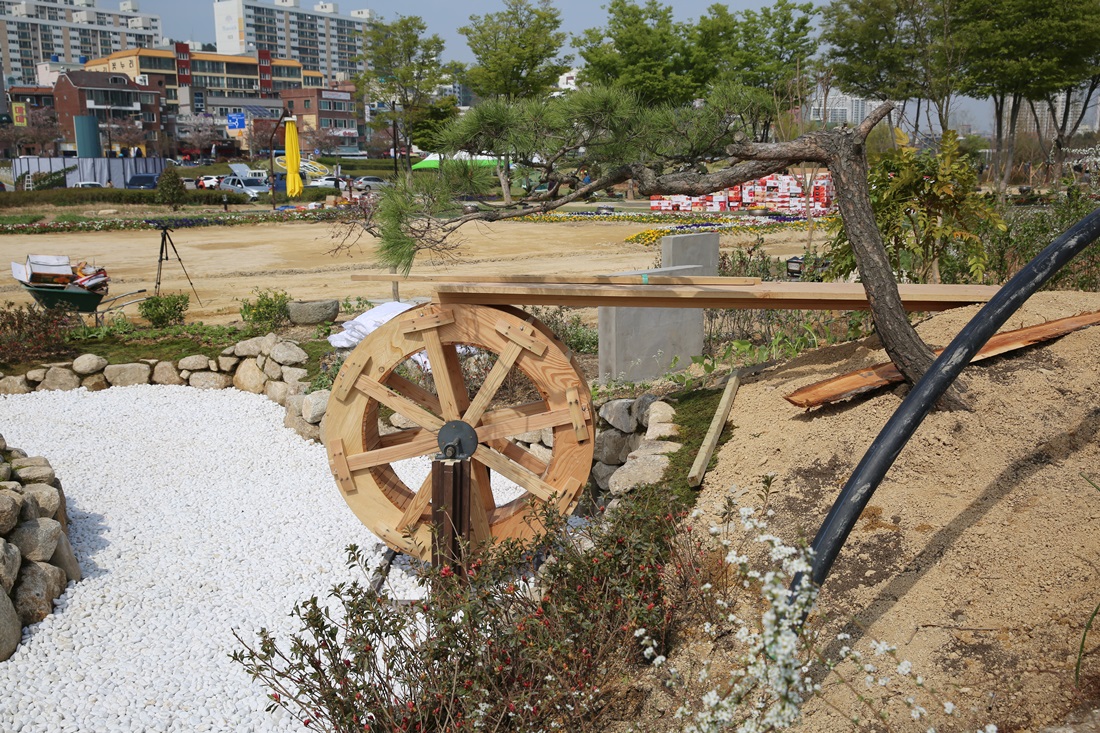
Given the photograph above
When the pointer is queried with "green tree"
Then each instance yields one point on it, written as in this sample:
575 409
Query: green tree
403 69
641 49
426 122
517 50
170 188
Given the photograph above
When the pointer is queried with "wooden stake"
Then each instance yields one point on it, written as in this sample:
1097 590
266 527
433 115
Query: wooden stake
710 442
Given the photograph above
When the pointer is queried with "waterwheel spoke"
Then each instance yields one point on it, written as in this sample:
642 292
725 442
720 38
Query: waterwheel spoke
492 383
414 392
398 403
446 374
514 472
520 455
415 509
421 443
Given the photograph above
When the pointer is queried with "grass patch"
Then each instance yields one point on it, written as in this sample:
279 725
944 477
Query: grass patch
694 411
21 218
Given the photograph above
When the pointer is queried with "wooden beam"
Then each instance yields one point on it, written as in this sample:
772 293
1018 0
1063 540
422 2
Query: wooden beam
864 380
769 295
564 279
710 442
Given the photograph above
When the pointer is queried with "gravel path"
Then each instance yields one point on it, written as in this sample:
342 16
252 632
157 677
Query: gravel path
193 513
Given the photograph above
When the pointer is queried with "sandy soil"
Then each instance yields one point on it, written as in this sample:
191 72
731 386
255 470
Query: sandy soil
979 556
227 263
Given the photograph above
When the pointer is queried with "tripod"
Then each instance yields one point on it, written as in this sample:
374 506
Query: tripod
165 243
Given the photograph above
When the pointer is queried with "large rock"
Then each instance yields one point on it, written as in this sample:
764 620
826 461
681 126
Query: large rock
288 354
48 498
11 628
94 382
601 474
249 377
165 372
640 408
267 343
27 461
86 364
125 375
227 363
36 375
660 430
10 506
638 472
30 509
251 347
653 448
36 539
5 471
272 369
276 392
541 452
15 385
10 560
34 474
209 380
59 378
309 312
64 558
294 421
612 447
660 412
194 363
39 585
619 415
314 406
294 374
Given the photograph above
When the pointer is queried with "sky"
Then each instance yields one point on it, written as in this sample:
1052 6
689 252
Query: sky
193 20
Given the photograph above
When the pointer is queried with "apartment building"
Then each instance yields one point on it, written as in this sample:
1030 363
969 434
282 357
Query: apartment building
70 31
114 100
320 37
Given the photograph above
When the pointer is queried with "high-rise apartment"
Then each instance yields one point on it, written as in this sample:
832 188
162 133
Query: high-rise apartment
32 31
320 38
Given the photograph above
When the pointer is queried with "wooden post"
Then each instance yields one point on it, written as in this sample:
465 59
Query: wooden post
450 511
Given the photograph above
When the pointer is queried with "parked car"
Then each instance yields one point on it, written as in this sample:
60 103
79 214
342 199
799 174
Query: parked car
146 181
370 183
189 183
327 182
87 184
251 187
208 181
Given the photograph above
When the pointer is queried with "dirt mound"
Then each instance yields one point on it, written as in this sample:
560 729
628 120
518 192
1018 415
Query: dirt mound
978 557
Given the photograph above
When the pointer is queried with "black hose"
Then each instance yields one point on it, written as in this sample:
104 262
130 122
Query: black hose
907 418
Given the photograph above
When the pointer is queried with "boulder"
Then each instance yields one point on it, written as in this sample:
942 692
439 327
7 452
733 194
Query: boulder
10 560
638 472
251 347
48 498
618 415
165 372
209 380
227 363
28 461
5 471
30 510
309 312
531 436
194 363
59 378
15 385
541 452
601 474
547 437
659 430
39 585
272 369
95 382
294 374
34 474
64 558
267 343
11 628
294 403
612 447
295 422
125 375
276 392
10 506
36 539
653 448
212 365
640 408
660 412
249 377
86 364
314 406
289 354
36 375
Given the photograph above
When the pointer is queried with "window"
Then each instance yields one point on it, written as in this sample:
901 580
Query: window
290 105
306 103
326 105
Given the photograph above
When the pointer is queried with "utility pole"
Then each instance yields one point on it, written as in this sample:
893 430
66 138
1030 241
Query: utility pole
393 115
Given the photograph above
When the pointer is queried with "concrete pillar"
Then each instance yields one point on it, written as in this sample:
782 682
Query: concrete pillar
638 344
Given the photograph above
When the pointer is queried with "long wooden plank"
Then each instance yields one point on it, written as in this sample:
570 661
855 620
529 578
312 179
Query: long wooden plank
710 441
863 380
515 472
769 295
564 279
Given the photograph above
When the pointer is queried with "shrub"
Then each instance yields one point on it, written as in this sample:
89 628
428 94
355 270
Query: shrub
268 311
164 310
81 196
570 328
28 332
170 188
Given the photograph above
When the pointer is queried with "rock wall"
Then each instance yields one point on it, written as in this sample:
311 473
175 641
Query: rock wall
36 559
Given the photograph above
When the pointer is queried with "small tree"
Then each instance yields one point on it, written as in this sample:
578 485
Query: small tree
170 188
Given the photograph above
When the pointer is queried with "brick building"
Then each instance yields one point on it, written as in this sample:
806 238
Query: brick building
327 118
119 103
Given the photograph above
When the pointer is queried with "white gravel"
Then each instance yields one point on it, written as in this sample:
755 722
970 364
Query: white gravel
193 513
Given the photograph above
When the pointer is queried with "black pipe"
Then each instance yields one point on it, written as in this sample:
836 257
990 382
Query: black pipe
896 433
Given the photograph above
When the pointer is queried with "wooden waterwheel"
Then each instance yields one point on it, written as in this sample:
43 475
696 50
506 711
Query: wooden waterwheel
362 460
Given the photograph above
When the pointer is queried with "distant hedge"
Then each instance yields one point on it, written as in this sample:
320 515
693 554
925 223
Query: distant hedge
78 196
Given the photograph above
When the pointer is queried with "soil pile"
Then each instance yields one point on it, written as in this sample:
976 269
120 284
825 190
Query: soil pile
978 557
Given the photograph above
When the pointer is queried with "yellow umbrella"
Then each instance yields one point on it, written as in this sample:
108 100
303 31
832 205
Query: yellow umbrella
293 161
